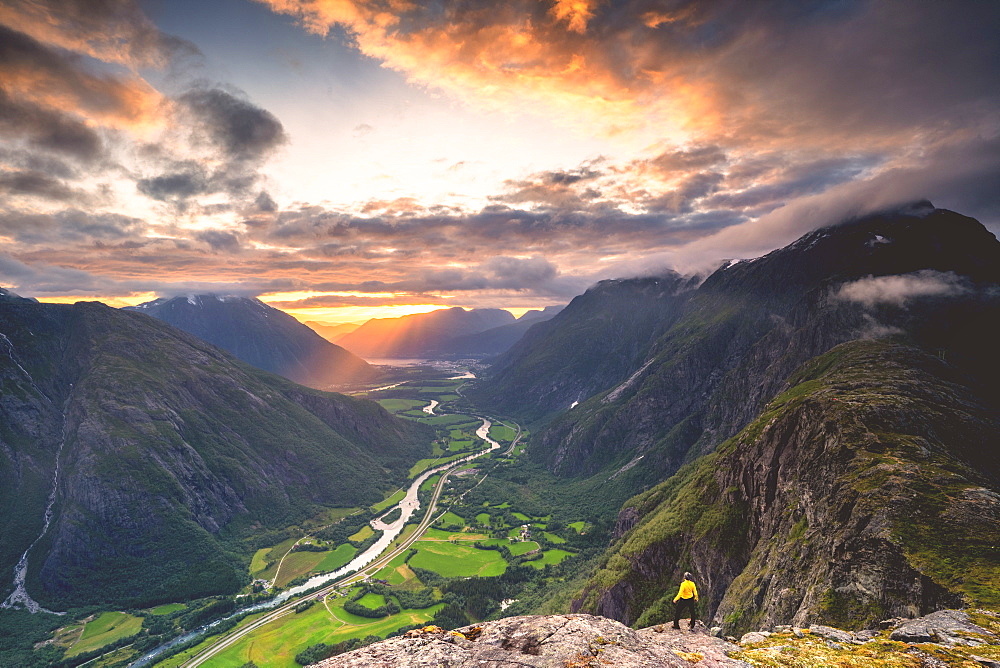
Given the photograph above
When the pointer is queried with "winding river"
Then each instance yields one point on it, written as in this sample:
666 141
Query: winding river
409 505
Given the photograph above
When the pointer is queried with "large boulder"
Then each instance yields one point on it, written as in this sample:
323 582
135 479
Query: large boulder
948 627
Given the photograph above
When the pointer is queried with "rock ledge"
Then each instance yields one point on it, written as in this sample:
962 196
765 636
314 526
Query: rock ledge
556 641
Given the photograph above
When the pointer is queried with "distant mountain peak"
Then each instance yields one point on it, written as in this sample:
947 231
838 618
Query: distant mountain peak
263 336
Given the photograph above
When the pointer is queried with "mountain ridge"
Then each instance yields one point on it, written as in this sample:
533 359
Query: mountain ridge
263 336
730 342
170 452
420 334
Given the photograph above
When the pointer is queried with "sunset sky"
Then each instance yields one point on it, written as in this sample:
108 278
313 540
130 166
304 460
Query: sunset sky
344 159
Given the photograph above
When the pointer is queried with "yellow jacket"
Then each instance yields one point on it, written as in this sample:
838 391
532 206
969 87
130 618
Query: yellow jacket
687 590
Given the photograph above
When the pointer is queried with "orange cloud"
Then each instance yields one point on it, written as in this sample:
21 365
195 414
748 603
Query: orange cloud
510 56
575 13
114 32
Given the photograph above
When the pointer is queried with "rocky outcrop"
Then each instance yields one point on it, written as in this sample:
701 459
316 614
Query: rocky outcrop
867 490
559 641
946 627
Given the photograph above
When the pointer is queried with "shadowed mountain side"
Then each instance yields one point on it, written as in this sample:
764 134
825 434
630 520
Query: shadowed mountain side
170 453
598 340
421 334
264 337
729 345
867 490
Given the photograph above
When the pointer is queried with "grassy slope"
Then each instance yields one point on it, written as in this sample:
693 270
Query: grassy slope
105 629
858 381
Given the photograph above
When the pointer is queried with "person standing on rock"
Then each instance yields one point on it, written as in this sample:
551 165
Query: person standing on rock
686 597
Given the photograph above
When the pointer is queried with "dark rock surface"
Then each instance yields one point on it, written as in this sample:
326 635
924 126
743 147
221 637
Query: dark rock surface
557 641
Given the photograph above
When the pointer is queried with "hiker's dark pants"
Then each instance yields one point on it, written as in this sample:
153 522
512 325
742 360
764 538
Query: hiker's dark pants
680 606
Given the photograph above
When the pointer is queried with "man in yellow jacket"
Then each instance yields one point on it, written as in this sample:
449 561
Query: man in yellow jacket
685 599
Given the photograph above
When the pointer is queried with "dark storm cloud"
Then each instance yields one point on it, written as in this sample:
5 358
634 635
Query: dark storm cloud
38 184
23 159
47 129
795 181
242 130
57 80
683 197
115 30
177 185
238 137
74 226
220 240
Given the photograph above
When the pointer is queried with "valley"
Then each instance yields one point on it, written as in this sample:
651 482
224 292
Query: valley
394 559
816 448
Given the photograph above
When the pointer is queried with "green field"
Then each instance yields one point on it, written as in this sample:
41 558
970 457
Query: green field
425 464
430 482
501 432
259 561
439 534
550 557
298 564
577 526
400 405
521 516
483 518
105 629
454 560
396 497
276 644
372 601
451 518
361 535
167 608
454 420
553 538
517 549
397 573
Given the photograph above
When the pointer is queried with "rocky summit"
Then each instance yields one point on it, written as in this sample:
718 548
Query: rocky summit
967 638
557 641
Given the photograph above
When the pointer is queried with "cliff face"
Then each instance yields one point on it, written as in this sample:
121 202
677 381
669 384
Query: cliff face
166 452
867 490
596 342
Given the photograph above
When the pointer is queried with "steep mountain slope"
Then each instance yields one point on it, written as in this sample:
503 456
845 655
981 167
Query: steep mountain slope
165 452
496 340
740 334
867 490
421 334
597 341
264 337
